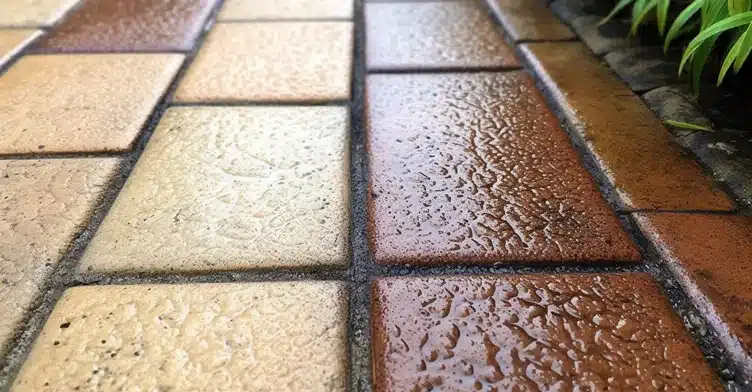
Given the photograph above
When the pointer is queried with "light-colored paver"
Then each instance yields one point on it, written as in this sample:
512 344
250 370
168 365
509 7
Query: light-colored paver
13 41
232 188
43 206
80 103
285 9
282 336
270 61
33 12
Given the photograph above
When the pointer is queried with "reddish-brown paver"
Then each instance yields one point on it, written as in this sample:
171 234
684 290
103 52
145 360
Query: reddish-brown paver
712 256
130 26
434 35
530 20
634 149
473 168
532 333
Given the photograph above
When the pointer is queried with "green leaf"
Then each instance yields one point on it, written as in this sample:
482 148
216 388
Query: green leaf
713 32
618 7
744 50
730 57
641 10
662 14
681 21
738 6
686 125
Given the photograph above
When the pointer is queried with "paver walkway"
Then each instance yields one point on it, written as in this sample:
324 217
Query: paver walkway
328 195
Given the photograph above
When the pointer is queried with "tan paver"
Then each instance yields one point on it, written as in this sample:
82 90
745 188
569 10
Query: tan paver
285 9
530 20
283 336
639 156
43 206
232 188
80 103
13 41
285 61
33 12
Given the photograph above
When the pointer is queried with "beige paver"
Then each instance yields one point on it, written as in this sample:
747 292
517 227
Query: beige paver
13 41
282 336
33 12
73 103
43 206
269 61
232 188
286 9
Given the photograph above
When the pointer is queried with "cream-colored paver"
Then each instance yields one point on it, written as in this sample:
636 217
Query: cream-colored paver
281 336
286 9
271 61
13 41
33 12
80 103
232 188
43 206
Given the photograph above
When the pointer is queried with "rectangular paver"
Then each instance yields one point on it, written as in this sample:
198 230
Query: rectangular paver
642 161
272 61
282 336
712 256
531 333
33 13
44 205
232 188
12 41
530 20
130 26
451 34
473 168
80 103
285 9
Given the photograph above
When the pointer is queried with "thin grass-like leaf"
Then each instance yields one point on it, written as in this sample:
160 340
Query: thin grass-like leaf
729 60
662 15
744 50
686 125
680 22
645 6
713 32
618 7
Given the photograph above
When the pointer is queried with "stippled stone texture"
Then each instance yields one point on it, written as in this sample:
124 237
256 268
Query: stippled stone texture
712 256
289 336
232 188
288 61
80 103
473 168
605 38
638 155
43 206
286 9
13 41
33 12
643 68
130 26
433 35
532 333
530 20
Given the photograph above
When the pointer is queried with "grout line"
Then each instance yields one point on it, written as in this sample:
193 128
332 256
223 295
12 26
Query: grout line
442 69
286 20
337 102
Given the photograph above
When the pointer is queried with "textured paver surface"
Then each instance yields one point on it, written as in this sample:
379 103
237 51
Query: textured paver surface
286 9
130 26
13 40
43 206
647 168
262 62
474 168
33 12
232 188
530 20
566 332
230 337
75 103
433 35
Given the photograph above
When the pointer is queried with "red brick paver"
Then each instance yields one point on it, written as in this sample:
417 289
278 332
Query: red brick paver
530 20
473 168
565 332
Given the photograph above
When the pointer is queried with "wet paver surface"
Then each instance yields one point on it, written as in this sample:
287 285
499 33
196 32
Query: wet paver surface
332 195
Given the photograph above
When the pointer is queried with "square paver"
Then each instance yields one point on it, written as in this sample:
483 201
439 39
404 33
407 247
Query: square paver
282 336
44 205
272 61
531 333
130 26
80 103
285 9
232 188
12 41
33 12
473 168
449 34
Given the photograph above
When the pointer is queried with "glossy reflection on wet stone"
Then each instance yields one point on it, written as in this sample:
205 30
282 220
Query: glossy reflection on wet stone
474 168
531 333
